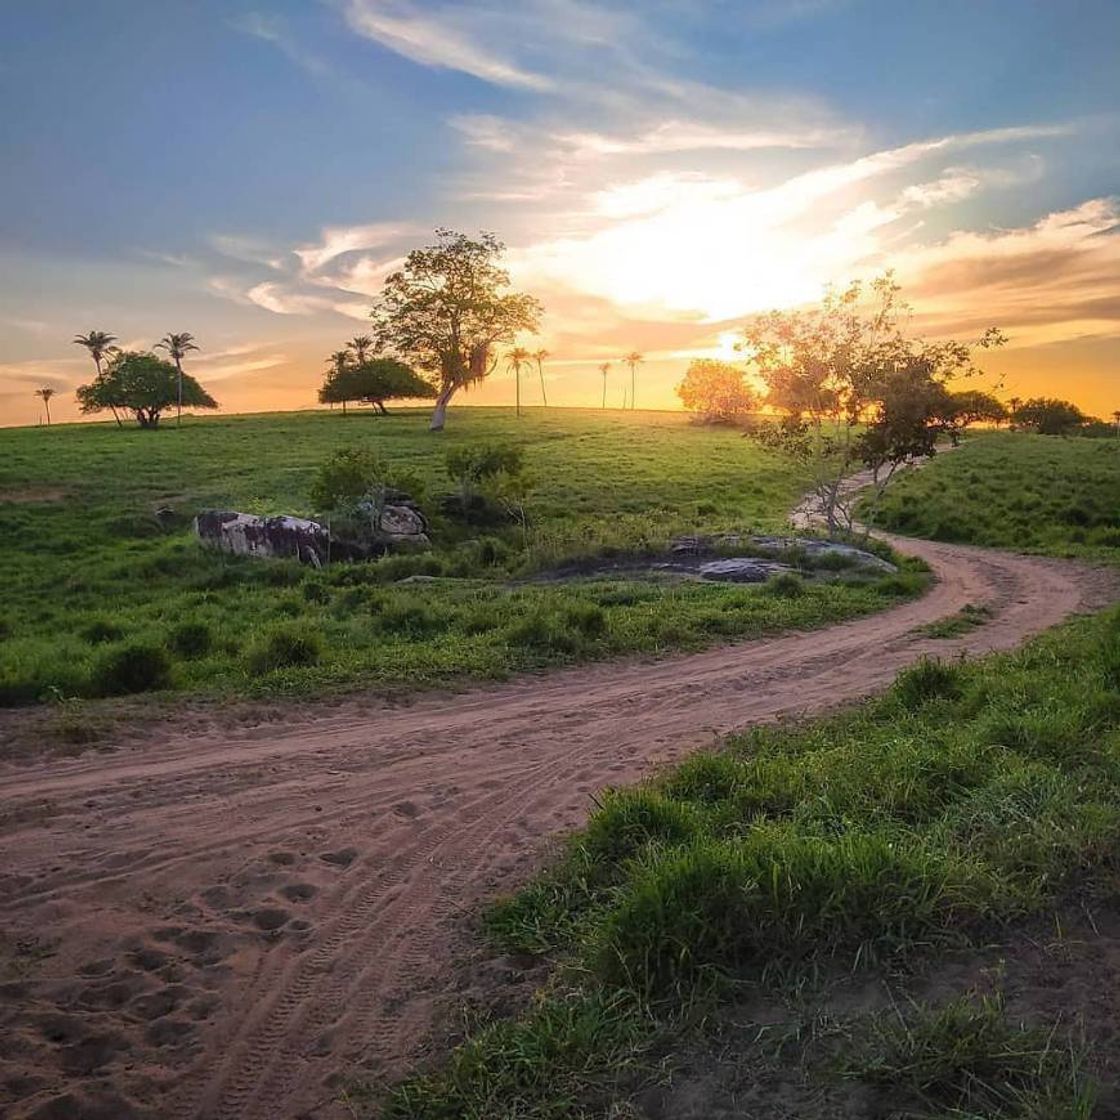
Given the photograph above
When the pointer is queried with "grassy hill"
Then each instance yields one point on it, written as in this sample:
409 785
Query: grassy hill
101 598
1012 490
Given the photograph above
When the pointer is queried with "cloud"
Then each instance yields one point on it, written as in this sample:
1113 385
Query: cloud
438 42
337 241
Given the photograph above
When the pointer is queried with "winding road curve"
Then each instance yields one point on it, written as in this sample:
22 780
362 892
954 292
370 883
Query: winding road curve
220 928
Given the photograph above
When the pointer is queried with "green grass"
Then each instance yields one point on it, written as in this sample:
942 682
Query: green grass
1011 490
93 577
969 796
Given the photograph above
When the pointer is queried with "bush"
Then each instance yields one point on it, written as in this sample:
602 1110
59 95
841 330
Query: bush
100 631
132 668
284 648
347 476
191 639
786 585
930 679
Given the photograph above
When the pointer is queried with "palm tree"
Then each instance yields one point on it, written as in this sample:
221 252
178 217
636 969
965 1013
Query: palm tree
177 346
604 369
633 360
339 361
539 357
1116 420
98 343
46 394
361 345
515 359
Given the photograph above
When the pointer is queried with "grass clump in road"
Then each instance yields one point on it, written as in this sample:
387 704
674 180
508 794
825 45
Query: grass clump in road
1011 490
969 797
101 559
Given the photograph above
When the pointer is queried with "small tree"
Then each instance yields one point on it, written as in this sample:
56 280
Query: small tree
540 356
515 359
633 360
716 391
604 369
975 407
46 393
855 390
141 383
489 475
1049 416
177 347
100 345
447 309
373 382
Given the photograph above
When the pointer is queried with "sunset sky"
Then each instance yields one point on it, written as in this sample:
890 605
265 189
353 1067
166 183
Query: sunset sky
660 170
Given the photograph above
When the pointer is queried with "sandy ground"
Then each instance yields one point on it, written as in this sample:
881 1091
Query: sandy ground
224 927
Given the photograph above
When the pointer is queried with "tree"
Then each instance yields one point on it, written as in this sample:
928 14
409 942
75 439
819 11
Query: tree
373 381
633 360
1116 420
99 344
515 359
716 390
145 385
540 356
1049 416
46 393
976 407
447 309
361 345
604 369
177 347
855 390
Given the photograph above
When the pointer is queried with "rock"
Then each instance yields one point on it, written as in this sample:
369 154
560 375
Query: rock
815 547
741 569
404 522
245 534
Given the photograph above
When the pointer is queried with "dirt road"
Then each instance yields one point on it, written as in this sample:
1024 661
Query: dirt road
218 929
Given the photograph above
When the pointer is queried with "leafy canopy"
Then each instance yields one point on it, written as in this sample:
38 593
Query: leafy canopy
448 307
374 380
716 390
1049 417
141 383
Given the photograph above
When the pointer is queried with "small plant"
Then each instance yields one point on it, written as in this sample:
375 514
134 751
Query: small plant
929 679
284 648
132 668
786 585
100 631
191 639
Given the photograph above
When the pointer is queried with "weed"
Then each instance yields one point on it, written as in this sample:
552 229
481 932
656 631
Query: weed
284 648
132 668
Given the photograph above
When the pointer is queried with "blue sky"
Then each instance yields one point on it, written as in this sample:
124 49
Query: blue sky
660 170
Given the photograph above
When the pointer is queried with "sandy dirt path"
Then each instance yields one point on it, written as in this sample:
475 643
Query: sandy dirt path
221 928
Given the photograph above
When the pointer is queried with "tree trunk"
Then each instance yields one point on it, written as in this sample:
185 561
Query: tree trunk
544 395
439 413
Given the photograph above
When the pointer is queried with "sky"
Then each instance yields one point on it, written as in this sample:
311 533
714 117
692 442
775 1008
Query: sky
660 171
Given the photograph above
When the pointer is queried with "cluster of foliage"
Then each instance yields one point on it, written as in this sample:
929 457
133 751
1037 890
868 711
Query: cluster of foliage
968 795
1018 491
139 382
1049 416
448 309
353 375
856 391
91 568
716 391
489 477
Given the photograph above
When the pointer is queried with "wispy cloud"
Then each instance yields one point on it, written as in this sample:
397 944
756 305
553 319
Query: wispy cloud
440 41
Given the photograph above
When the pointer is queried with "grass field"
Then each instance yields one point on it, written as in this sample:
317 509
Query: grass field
1017 491
100 598
969 798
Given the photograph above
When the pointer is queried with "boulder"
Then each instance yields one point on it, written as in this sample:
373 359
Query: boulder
815 546
245 534
404 523
741 569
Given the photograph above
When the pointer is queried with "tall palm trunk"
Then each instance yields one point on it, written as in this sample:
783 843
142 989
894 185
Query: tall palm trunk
517 391
439 413
179 388
544 395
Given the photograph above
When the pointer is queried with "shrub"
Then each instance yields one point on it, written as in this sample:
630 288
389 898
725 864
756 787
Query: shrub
284 648
191 639
930 679
587 618
100 631
132 668
347 476
786 585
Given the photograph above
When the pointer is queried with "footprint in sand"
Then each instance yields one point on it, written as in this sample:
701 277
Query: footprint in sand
299 892
270 918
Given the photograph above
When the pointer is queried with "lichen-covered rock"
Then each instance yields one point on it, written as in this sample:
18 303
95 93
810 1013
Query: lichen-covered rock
741 569
245 534
404 522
